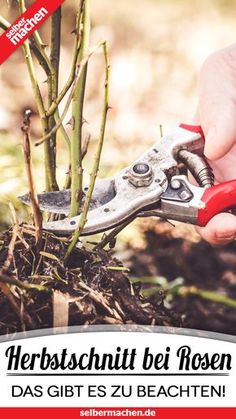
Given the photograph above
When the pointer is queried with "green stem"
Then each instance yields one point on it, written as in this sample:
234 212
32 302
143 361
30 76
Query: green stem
93 176
112 235
49 160
77 113
29 170
208 295
13 281
79 70
55 60
37 44
69 82
4 24
31 70
46 64
59 126
53 109
85 145
50 146
39 102
56 42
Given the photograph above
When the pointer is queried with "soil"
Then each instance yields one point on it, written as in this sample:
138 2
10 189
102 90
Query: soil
93 287
200 265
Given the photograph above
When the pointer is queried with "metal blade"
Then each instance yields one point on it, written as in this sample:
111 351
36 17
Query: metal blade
58 202
135 187
126 203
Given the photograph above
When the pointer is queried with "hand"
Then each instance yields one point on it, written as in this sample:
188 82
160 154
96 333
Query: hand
217 115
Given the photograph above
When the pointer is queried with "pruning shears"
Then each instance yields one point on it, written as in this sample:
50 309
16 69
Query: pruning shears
156 184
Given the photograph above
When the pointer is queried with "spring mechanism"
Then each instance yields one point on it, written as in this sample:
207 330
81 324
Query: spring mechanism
198 167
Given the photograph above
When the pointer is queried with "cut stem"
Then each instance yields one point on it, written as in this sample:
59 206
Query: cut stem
28 164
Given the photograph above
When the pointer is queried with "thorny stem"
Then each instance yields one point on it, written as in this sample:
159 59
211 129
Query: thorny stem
72 74
28 163
31 70
53 109
44 61
84 152
66 88
39 51
93 175
59 125
77 112
79 70
40 104
53 85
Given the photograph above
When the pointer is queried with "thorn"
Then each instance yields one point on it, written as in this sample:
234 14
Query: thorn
71 122
79 195
84 121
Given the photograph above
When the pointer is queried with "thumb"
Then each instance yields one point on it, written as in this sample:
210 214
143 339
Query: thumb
221 136
217 105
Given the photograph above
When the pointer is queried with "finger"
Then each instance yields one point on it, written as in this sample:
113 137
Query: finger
196 117
221 229
217 107
221 137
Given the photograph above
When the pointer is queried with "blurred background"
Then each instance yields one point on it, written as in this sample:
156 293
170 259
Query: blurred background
156 49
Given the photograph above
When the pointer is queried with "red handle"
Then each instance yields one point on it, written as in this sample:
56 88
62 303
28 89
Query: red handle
218 198
193 128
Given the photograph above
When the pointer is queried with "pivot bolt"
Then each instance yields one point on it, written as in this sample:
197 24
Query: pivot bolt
141 168
175 184
140 174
